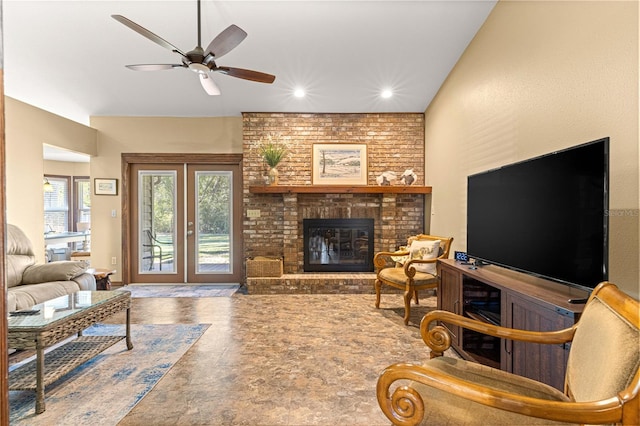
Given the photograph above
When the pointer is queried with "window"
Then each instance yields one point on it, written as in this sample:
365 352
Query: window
56 205
82 201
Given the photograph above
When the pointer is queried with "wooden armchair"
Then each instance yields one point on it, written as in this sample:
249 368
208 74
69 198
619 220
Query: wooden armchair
411 269
601 384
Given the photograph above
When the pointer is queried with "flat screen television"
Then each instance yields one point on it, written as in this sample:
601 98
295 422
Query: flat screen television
546 216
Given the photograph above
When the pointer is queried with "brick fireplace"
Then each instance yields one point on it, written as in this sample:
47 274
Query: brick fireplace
395 142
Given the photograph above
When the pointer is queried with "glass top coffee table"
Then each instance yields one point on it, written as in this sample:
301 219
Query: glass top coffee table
54 321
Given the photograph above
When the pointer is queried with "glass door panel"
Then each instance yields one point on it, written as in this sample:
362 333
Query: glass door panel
213 216
157 222
157 218
214 249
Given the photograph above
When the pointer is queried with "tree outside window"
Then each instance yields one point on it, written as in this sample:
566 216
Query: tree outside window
82 202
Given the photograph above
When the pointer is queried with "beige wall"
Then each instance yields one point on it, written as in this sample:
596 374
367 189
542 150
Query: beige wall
541 76
65 168
27 128
117 135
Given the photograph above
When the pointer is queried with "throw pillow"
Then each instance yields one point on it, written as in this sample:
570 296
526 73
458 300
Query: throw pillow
64 270
401 259
425 249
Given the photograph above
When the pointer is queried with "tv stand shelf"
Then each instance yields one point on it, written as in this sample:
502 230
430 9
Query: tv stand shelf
512 299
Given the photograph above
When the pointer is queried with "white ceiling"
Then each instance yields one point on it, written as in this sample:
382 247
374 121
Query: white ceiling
68 57
53 153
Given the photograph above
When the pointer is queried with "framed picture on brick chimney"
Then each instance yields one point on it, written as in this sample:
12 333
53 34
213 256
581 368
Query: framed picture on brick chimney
339 164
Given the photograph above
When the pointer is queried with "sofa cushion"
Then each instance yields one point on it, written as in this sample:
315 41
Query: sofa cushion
25 296
16 265
19 255
54 271
17 242
86 281
11 302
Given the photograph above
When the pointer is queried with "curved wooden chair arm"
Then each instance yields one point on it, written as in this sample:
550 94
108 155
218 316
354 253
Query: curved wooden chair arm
438 339
381 258
414 261
409 268
406 406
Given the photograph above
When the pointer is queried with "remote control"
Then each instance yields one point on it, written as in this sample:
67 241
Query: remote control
21 313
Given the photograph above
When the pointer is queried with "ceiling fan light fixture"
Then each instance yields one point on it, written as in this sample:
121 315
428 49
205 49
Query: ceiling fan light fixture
209 85
199 68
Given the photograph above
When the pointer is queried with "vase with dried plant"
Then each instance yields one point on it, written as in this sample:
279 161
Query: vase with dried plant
272 151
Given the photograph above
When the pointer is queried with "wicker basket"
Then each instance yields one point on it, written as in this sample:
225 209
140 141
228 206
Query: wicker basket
261 266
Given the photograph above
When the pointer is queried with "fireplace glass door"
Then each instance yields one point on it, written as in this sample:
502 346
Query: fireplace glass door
338 245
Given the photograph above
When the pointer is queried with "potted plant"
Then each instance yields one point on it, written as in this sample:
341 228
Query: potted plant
272 152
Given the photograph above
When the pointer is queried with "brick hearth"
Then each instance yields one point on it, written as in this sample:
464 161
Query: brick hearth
314 283
317 283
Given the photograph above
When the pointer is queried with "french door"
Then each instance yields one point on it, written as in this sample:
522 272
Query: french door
185 223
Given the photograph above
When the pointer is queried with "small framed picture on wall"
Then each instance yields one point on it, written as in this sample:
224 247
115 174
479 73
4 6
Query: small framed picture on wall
105 186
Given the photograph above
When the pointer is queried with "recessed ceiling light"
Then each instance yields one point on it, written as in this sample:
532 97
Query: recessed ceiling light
298 93
387 93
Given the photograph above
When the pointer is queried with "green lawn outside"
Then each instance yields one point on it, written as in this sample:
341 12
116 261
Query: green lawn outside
211 245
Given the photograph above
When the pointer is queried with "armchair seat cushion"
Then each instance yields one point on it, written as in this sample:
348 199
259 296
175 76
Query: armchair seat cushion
397 276
445 408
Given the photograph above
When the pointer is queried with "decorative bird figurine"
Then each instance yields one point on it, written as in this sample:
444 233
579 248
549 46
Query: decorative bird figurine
408 177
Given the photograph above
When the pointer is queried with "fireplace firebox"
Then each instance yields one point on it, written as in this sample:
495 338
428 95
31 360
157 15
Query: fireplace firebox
338 245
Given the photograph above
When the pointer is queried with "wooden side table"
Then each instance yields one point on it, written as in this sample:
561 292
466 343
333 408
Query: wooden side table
103 282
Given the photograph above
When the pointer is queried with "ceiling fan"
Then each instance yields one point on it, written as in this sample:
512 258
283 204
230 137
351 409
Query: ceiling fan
199 60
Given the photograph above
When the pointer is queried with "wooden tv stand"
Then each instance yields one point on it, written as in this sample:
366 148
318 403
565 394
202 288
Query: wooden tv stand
510 299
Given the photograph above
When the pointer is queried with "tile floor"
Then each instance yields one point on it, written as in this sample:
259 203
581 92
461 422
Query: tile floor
279 359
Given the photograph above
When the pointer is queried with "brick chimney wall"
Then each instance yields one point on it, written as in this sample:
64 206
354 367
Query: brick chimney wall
395 142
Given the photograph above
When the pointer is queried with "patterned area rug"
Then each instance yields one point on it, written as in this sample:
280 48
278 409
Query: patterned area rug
104 389
161 290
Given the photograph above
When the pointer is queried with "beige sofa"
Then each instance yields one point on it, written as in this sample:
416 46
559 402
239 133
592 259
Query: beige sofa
30 283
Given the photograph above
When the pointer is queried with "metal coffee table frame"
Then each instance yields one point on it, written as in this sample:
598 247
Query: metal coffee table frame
35 332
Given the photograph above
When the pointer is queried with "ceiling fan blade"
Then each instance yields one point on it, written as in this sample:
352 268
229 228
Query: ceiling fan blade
260 77
154 67
148 34
226 41
209 85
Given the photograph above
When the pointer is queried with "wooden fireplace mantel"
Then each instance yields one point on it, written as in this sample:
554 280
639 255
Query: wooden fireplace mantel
338 189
